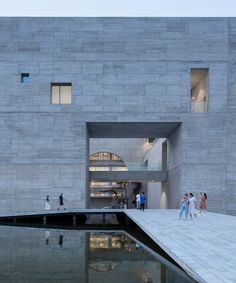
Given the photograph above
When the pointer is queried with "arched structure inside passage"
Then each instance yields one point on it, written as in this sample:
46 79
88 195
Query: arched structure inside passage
106 161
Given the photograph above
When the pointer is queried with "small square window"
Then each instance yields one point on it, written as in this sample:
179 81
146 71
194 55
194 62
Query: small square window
61 93
25 78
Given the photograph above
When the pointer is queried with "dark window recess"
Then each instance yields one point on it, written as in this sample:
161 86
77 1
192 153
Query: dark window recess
25 78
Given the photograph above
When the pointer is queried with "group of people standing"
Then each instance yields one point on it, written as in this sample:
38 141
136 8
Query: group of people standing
61 201
140 201
189 205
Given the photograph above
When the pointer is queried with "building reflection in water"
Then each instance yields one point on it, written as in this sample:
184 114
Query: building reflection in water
73 256
117 258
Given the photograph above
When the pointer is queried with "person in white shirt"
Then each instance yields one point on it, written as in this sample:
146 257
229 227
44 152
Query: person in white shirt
138 200
47 203
192 206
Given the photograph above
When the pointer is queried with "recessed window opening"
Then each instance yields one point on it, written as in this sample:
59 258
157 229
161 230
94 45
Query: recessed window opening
25 78
61 93
199 90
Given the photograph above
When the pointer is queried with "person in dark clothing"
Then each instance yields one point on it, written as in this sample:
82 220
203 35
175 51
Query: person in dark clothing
61 202
61 239
142 201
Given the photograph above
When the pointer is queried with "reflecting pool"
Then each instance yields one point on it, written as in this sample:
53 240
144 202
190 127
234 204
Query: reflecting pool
61 256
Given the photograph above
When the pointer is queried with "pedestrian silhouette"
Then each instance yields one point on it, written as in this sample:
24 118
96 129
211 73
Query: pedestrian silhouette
61 239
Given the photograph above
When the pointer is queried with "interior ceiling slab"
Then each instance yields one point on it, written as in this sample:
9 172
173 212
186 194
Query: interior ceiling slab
131 129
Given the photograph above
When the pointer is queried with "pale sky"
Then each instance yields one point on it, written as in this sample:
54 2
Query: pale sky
116 8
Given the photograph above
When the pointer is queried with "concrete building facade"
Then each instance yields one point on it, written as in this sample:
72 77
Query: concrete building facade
129 78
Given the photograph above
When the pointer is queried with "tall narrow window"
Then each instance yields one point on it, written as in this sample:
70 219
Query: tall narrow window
61 93
199 90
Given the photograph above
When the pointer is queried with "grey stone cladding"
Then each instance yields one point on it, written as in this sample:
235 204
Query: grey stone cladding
121 70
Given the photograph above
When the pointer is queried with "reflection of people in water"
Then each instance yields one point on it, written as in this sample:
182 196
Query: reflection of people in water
61 241
47 236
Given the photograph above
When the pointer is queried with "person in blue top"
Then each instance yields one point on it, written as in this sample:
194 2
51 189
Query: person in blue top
142 201
184 206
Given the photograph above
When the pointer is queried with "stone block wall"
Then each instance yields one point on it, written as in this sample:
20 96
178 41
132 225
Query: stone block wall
121 69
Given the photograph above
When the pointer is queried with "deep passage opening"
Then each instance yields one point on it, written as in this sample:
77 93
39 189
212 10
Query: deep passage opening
128 158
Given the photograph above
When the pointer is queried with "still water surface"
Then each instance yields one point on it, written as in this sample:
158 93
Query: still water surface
61 256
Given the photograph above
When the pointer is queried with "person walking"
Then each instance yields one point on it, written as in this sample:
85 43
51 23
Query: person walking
47 203
192 206
142 201
138 200
202 206
184 207
47 236
61 202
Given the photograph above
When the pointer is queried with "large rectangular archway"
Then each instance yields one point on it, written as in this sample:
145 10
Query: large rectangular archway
117 131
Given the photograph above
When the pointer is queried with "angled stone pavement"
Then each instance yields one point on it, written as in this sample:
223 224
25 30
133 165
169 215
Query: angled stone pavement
205 247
